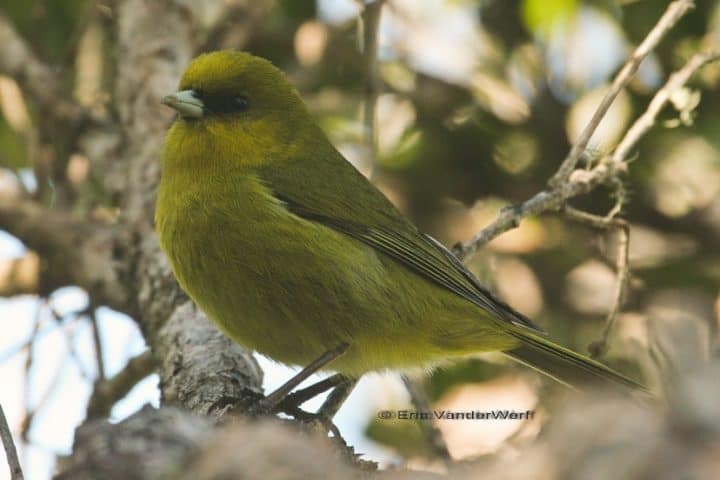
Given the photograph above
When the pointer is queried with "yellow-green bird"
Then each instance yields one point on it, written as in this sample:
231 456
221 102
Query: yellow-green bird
292 252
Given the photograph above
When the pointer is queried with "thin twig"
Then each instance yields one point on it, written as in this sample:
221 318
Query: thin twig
68 332
674 12
584 181
29 418
544 201
10 450
97 344
432 433
599 347
108 392
639 128
646 121
26 418
371 22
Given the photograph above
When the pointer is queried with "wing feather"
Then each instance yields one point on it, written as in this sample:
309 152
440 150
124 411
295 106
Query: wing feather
321 195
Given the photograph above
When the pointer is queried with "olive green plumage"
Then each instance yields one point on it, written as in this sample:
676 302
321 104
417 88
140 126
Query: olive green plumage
291 251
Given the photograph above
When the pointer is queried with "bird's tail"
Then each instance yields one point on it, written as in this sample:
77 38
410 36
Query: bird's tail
564 365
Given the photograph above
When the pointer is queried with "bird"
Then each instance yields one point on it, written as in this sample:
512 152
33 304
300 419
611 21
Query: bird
292 252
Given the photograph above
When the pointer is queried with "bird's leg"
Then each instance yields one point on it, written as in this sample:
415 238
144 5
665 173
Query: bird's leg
336 398
323 418
294 399
269 403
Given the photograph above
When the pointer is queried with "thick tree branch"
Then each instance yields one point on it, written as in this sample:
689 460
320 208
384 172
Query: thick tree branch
199 368
173 443
151 444
72 250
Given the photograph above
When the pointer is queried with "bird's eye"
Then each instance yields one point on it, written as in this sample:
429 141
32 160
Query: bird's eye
241 103
198 93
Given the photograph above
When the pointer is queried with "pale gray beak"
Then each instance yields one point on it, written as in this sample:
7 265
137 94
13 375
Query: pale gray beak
186 104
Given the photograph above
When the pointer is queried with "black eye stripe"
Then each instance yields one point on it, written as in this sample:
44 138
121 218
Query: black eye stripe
222 103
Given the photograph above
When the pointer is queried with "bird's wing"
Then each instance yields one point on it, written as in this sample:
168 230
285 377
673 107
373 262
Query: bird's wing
333 193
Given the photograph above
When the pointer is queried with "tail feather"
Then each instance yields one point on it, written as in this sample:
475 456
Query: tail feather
564 365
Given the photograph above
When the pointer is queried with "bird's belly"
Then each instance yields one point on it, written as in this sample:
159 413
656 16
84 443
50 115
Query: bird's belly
292 289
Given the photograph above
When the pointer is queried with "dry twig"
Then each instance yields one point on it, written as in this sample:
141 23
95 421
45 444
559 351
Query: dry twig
9 445
622 267
646 121
583 181
97 345
567 182
675 11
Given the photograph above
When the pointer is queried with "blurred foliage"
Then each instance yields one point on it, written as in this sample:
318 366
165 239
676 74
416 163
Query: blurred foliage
404 436
474 113
52 28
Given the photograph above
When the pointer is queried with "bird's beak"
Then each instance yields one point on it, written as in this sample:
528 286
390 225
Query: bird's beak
186 103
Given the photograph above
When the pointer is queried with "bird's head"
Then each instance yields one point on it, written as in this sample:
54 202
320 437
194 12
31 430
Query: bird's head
232 85
235 108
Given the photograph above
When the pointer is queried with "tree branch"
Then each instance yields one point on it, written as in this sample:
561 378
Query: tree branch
9 445
19 276
43 85
371 23
622 266
647 120
108 392
583 181
675 11
544 201
72 250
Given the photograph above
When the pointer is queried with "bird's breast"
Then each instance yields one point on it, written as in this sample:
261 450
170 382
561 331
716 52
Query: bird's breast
271 280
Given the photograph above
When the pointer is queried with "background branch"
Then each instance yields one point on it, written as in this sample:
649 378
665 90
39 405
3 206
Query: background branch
107 392
71 250
19 276
9 445
371 24
675 11
646 121
19 62
583 181
622 267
